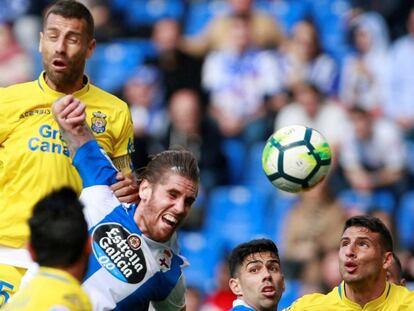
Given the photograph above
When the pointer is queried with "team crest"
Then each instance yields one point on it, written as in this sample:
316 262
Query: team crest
98 122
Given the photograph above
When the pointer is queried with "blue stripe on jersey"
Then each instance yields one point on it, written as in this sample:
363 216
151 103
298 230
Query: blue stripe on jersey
156 288
118 216
94 166
241 308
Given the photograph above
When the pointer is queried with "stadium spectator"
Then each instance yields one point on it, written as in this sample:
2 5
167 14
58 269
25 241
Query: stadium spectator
395 272
178 68
366 73
33 159
143 92
365 254
368 163
400 106
59 244
302 60
15 63
256 276
192 129
135 260
310 108
312 228
266 33
238 79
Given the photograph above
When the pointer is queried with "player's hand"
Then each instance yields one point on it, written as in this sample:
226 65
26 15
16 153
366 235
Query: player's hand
69 112
126 189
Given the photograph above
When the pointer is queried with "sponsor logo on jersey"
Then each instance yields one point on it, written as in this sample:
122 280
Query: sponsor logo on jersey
49 140
98 122
119 252
35 112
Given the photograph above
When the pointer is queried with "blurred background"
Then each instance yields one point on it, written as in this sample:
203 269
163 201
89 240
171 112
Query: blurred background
218 77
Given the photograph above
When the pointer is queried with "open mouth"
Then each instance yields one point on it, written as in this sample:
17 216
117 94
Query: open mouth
59 64
269 291
170 220
350 267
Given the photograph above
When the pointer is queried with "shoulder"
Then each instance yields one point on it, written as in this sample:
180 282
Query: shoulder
108 98
315 302
16 91
402 295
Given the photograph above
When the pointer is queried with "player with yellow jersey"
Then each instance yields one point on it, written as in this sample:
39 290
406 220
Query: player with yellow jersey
59 243
33 158
365 255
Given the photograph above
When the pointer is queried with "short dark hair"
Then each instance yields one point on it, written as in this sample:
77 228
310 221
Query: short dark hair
58 229
71 9
177 161
373 224
243 250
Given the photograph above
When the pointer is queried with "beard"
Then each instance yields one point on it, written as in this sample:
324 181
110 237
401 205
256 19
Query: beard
68 77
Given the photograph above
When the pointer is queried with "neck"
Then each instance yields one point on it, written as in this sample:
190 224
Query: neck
66 88
364 293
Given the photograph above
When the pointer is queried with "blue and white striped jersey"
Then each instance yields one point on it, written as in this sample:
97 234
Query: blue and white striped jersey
127 270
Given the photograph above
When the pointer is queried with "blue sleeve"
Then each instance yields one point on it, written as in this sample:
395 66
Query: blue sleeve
94 166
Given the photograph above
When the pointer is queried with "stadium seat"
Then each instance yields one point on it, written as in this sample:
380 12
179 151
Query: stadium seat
363 202
235 151
235 214
147 12
200 13
404 220
253 174
112 64
203 257
280 206
292 292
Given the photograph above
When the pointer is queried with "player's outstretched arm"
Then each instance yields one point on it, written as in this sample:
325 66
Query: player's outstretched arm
70 115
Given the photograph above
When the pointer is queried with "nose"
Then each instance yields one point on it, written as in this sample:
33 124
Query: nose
350 250
180 206
266 274
60 46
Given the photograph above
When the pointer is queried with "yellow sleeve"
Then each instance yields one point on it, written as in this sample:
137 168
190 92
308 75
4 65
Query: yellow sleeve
125 142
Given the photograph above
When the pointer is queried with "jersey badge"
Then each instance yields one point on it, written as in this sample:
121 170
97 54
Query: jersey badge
98 122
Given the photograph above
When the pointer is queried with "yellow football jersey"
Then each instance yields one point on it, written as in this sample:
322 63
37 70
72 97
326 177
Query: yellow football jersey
394 298
33 158
50 289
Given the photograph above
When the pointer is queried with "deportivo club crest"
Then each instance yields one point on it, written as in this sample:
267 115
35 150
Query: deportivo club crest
98 122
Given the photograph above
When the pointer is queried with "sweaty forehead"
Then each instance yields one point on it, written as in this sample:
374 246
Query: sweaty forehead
170 179
355 231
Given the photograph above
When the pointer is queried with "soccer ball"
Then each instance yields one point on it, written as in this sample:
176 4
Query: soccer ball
296 158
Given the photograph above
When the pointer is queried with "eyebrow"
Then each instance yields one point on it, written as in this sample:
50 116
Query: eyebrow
358 238
260 261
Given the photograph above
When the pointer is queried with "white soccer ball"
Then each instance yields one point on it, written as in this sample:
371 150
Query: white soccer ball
296 158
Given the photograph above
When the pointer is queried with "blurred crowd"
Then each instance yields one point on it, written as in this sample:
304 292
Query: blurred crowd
219 76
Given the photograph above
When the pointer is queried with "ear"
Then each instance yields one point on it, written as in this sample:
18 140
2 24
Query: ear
91 48
40 42
235 286
87 249
387 260
32 252
283 284
144 190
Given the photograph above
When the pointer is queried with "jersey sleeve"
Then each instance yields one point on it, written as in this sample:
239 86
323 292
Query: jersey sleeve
97 173
175 300
123 145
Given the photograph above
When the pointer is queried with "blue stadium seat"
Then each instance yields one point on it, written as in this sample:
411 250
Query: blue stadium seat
286 12
292 292
235 151
200 13
235 214
203 256
383 200
253 174
280 206
112 64
404 220
147 12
